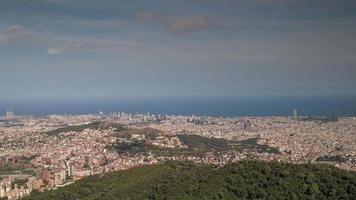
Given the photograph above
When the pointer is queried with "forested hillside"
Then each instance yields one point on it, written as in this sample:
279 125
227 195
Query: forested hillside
242 180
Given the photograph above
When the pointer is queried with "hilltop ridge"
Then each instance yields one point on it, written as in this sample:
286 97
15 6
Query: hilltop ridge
247 179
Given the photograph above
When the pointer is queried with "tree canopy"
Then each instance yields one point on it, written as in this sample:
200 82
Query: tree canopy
249 179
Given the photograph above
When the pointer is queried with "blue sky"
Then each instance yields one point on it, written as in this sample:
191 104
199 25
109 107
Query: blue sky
112 49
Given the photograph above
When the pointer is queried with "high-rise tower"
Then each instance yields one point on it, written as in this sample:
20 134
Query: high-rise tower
9 113
295 114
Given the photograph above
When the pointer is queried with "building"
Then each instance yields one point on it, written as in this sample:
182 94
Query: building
10 113
295 114
44 174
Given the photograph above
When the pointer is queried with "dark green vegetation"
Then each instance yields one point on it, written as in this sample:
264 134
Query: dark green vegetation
138 147
242 180
8 170
197 145
251 144
142 148
16 165
334 158
20 182
79 128
204 144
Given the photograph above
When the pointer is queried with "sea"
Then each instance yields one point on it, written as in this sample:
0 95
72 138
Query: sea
341 106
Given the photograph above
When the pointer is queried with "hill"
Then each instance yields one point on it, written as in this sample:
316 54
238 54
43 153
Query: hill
204 144
79 128
197 146
242 180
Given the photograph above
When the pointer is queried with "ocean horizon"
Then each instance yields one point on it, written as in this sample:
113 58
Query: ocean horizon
224 107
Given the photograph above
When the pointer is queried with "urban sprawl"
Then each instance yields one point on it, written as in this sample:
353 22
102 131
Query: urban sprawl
45 153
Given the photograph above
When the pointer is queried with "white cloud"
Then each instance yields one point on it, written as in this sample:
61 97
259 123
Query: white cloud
17 33
63 48
146 15
76 45
55 50
16 29
190 24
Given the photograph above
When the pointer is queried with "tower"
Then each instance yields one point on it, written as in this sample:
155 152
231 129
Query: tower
9 113
295 114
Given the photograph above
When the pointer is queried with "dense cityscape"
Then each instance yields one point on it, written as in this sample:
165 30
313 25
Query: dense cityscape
45 153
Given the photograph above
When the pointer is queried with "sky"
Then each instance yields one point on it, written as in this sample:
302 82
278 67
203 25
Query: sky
134 49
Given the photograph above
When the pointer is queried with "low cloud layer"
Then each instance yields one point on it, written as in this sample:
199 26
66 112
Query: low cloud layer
190 24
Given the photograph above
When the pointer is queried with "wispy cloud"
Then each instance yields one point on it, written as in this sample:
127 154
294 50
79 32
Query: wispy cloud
95 24
147 15
54 45
17 32
62 49
3 39
16 29
55 50
190 24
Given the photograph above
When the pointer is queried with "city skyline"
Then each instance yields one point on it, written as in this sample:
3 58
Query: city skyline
65 50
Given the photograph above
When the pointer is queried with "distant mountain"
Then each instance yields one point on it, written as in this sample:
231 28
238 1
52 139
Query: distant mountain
185 180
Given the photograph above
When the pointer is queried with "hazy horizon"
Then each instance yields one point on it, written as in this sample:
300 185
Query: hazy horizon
342 106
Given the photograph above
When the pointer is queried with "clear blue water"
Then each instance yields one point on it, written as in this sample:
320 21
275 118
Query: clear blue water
251 106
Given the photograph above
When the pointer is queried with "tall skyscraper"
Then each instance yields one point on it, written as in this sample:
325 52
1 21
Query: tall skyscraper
9 113
295 114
